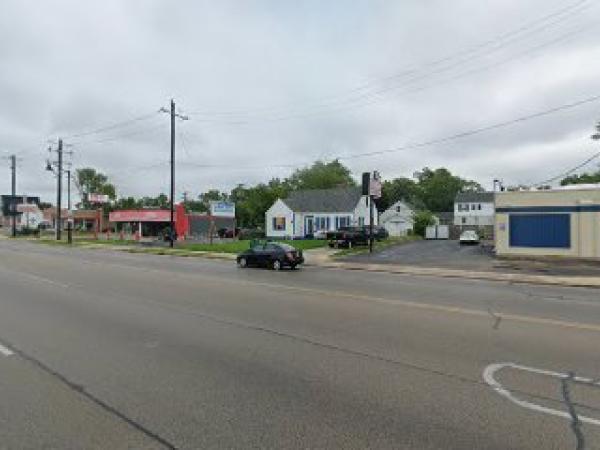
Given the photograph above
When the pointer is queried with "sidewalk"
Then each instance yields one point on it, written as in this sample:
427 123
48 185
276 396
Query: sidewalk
324 258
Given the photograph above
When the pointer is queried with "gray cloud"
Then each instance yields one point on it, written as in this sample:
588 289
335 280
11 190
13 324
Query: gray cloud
279 83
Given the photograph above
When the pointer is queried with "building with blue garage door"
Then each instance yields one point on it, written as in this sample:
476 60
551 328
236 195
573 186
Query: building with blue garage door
558 222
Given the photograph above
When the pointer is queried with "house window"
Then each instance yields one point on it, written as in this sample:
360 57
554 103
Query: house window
464 220
343 221
398 208
473 207
479 206
279 223
361 221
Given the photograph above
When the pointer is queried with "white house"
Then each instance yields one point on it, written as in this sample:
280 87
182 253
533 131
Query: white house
474 209
397 219
305 212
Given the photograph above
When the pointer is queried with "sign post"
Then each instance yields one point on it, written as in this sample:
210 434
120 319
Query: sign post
371 186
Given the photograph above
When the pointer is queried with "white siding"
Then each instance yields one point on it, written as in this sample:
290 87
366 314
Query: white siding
483 216
362 211
279 209
397 223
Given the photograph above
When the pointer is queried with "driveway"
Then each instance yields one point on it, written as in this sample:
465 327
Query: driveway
451 255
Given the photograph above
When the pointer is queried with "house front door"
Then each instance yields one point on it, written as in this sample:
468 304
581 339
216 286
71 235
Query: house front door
309 226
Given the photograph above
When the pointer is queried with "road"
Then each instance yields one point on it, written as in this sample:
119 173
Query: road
449 254
113 350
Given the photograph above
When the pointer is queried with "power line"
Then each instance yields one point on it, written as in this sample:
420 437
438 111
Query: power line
576 7
475 131
568 172
105 128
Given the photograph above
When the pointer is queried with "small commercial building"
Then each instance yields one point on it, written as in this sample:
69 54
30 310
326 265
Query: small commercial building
557 222
304 213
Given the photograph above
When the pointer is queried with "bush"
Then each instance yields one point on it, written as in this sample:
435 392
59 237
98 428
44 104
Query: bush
421 220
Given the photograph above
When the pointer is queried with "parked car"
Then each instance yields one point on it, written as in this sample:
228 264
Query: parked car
274 255
468 237
379 233
348 237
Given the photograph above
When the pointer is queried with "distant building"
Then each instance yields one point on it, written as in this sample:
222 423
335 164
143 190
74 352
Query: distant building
10 205
397 219
557 222
304 213
475 211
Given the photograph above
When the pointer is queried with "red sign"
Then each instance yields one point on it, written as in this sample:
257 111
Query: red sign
141 215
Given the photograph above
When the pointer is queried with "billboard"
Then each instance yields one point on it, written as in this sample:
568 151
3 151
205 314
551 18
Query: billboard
97 198
222 209
371 184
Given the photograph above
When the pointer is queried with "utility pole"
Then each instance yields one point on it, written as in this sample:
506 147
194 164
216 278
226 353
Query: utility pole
13 202
172 203
171 243
58 164
68 189
59 190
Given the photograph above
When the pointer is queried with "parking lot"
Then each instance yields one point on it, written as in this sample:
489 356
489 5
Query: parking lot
450 254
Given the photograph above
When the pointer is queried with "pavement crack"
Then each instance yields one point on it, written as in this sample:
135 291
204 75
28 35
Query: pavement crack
575 422
81 390
496 317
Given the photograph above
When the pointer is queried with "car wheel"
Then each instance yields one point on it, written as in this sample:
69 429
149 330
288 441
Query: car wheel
293 267
243 263
276 265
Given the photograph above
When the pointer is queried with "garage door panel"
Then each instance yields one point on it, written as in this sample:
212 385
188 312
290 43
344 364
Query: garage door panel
540 230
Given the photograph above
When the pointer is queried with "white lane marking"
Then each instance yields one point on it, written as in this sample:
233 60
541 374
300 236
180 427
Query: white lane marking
488 376
6 351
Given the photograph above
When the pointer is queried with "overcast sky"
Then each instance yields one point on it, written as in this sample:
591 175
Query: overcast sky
271 85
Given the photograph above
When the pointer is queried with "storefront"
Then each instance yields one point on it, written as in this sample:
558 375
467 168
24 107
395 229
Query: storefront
558 222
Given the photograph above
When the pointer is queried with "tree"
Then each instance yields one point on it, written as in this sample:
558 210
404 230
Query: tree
398 189
88 181
584 178
438 188
321 176
421 220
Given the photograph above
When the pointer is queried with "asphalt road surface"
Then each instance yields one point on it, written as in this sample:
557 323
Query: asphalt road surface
450 254
112 350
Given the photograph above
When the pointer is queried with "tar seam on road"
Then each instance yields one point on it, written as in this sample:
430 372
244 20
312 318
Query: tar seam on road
575 423
334 347
97 401
497 319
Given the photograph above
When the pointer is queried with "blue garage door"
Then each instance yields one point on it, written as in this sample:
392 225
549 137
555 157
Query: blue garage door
540 230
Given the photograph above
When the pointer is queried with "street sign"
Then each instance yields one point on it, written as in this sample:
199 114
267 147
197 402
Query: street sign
222 209
371 184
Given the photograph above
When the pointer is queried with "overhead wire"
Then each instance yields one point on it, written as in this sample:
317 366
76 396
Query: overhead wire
568 172
576 7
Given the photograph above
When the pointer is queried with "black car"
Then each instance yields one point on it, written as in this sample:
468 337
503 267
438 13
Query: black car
270 254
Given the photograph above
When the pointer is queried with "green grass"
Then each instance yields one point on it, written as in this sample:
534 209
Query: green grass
233 247
377 246
240 246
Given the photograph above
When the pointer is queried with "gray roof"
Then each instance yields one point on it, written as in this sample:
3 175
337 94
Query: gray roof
480 197
324 200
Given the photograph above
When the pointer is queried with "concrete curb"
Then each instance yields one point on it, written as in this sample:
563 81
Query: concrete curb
571 281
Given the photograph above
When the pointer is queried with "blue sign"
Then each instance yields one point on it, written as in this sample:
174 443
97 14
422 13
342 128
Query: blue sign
222 209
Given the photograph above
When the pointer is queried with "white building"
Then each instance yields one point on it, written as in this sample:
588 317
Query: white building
305 212
397 219
474 209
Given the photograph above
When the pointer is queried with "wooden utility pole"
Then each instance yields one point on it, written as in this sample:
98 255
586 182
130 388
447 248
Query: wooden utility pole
13 199
59 191
173 116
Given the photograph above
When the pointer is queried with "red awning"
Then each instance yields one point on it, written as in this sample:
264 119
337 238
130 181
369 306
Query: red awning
141 215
